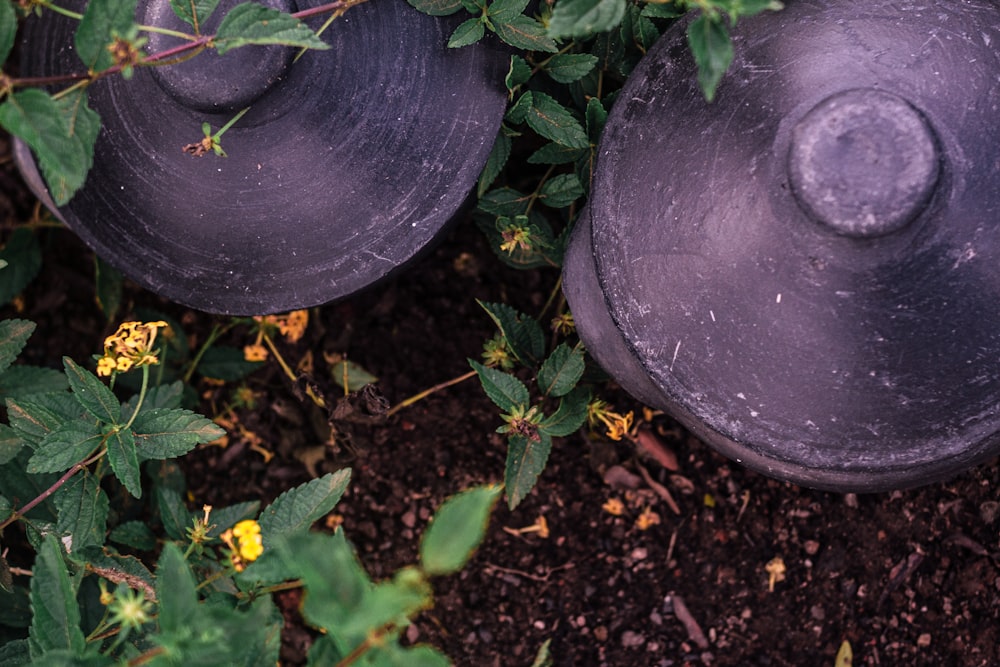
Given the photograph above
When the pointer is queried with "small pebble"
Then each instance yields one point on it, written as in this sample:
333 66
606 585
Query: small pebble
601 633
632 639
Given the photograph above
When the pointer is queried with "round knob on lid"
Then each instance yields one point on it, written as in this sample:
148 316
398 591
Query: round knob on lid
864 162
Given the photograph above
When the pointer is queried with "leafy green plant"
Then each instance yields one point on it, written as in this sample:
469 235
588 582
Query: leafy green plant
73 461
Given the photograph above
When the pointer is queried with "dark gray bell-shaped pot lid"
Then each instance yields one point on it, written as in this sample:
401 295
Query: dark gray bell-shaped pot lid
806 271
347 164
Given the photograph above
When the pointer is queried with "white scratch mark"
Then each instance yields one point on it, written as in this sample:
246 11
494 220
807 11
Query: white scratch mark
778 298
676 350
712 315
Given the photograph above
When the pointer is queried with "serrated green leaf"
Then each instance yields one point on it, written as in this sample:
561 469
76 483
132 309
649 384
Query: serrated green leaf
13 336
35 417
436 7
296 509
524 32
505 390
56 616
662 10
506 10
406 595
467 32
15 653
224 518
645 31
524 335
83 512
251 23
175 592
24 259
123 460
570 414
561 370
10 444
518 73
570 67
553 153
561 190
102 21
518 112
456 530
135 535
596 116
8 29
194 12
526 458
19 382
168 433
330 571
712 50
505 202
494 163
584 18
174 516
106 561
164 396
91 393
65 446
551 120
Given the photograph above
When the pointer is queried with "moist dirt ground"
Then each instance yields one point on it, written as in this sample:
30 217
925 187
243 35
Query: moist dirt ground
907 578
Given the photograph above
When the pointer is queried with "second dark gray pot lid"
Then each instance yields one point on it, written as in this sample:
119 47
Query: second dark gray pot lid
348 163
808 343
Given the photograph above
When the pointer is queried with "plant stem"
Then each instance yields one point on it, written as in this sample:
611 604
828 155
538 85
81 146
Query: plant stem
318 400
427 392
17 514
142 397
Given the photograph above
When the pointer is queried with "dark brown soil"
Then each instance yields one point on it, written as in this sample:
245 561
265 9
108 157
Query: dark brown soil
908 578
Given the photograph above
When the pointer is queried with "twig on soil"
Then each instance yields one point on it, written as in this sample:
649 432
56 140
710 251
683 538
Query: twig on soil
900 573
427 392
660 490
694 631
569 565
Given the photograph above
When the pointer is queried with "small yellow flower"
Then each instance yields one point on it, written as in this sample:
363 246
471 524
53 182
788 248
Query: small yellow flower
248 540
775 569
563 324
255 352
647 519
293 325
514 237
496 354
618 425
129 347
614 507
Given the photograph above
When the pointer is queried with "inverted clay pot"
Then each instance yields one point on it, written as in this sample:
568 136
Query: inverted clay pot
806 271
348 163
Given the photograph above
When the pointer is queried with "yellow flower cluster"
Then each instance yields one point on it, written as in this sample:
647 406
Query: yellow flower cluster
245 541
130 347
292 326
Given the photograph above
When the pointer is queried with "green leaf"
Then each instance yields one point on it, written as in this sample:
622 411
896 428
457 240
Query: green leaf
662 10
330 571
24 259
109 285
135 535
436 7
561 371
584 18
166 396
350 376
123 460
251 23
467 32
13 335
506 10
10 444
102 21
24 381
8 29
296 509
387 602
166 434
518 111
494 163
570 67
553 153
227 363
174 516
712 50
15 653
91 393
35 417
65 446
526 459
224 518
194 12
570 414
526 33
518 74
524 335
15 609
56 620
596 116
503 388
175 591
561 190
457 529
83 512
551 120
506 202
